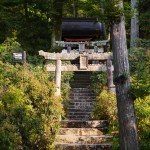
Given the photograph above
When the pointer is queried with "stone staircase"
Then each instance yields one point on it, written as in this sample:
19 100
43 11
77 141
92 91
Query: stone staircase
81 80
79 131
81 104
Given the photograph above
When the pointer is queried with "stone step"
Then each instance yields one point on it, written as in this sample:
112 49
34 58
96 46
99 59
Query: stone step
82 100
85 77
85 124
72 93
80 86
81 81
79 110
83 107
81 92
83 139
81 103
79 113
81 89
80 131
82 75
87 95
66 146
79 117
81 78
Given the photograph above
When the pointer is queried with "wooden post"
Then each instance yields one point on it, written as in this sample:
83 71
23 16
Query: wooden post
58 77
24 57
109 75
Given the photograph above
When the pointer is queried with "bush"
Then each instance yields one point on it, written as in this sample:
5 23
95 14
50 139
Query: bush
106 109
105 105
65 90
98 81
142 107
7 48
29 109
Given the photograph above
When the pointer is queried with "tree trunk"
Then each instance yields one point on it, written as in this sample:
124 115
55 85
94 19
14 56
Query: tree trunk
134 24
56 21
127 124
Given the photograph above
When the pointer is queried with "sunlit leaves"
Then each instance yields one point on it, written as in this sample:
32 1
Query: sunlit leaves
142 107
29 109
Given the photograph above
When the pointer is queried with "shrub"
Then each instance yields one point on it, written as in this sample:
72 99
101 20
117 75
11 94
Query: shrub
29 109
106 109
7 48
65 90
105 106
142 107
98 81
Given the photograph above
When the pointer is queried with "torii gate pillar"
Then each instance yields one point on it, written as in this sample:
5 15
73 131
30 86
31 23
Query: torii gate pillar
58 77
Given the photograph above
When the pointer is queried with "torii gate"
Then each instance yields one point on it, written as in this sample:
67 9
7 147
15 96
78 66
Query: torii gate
104 59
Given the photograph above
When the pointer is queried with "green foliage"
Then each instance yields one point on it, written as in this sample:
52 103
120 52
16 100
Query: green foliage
98 81
86 8
105 106
66 77
30 20
65 90
112 10
106 109
142 107
140 72
86 5
144 43
10 46
7 48
29 109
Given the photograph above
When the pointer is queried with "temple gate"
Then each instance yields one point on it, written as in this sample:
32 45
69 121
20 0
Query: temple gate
89 60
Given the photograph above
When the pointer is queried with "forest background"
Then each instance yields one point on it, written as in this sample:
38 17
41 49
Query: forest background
32 25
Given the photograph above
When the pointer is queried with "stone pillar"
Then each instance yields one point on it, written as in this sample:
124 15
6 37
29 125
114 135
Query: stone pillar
58 77
111 86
